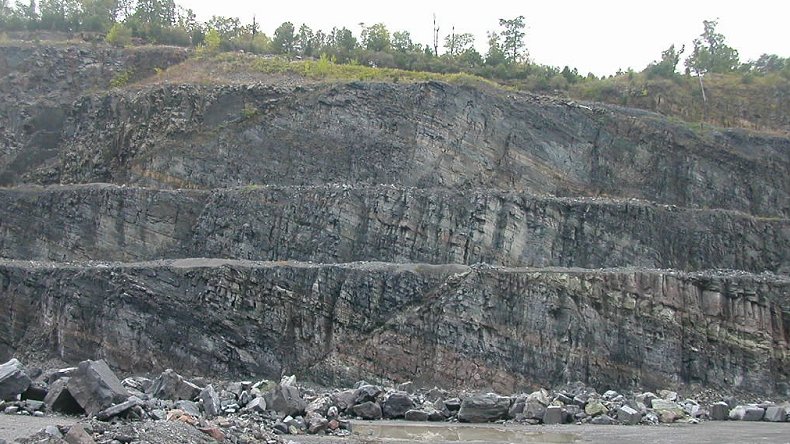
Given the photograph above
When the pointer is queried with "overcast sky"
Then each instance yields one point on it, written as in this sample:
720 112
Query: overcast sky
599 36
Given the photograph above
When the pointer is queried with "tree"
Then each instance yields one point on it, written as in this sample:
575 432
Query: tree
99 15
284 39
401 41
495 55
376 38
343 39
668 64
513 35
769 63
457 44
305 41
711 53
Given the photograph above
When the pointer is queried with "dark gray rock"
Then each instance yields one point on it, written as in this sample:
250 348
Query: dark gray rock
483 407
754 414
603 420
720 411
396 405
170 385
534 410
775 414
365 393
628 415
119 409
368 410
13 380
453 404
95 387
59 399
344 400
78 435
416 415
554 415
211 403
189 407
286 400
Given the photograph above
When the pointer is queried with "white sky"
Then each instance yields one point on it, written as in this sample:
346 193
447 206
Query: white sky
596 36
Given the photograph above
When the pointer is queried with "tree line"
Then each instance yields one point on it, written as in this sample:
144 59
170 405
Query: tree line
506 59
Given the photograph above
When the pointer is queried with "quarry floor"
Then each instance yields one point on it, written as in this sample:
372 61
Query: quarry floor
13 427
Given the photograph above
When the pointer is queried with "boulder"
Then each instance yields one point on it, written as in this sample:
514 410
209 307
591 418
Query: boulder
662 405
628 415
95 387
754 413
211 402
554 414
534 410
286 400
256 405
396 405
59 399
188 407
366 393
367 410
720 411
319 405
483 407
315 422
416 415
737 413
78 435
118 409
595 408
170 385
775 413
13 380
344 400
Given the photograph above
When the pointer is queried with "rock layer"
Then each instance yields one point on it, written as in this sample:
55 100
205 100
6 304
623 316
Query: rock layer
451 325
335 224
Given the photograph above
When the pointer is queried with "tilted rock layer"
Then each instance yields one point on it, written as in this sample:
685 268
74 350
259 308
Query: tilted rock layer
500 328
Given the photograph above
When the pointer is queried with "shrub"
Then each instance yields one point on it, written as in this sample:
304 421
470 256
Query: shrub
119 35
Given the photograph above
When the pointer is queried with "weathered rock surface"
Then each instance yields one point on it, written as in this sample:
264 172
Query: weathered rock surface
423 135
171 385
13 380
708 328
95 387
484 407
343 224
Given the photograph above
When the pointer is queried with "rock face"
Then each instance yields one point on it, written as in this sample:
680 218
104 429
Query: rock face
334 224
358 319
441 234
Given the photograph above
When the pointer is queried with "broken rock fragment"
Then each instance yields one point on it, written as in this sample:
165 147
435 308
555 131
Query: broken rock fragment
95 387
170 385
13 380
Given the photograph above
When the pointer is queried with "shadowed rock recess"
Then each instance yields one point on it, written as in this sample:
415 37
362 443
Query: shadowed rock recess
441 234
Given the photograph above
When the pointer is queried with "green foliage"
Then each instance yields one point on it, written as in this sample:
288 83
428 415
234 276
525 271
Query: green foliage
121 79
667 65
284 39
249 111
711 53
212 41
457 44
376 38
513 39
119 35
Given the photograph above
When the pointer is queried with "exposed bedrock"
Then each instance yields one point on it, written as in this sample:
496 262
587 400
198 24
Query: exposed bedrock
480 327
424 135
343 224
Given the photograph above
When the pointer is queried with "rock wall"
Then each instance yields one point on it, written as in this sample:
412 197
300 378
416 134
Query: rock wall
336 224
424 135
453 325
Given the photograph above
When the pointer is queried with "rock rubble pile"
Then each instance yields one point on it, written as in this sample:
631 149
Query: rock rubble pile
260 411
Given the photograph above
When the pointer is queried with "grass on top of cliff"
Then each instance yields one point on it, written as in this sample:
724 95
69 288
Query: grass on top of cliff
232 67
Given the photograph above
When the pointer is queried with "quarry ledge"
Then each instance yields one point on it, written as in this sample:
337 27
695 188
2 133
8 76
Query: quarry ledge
209 262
